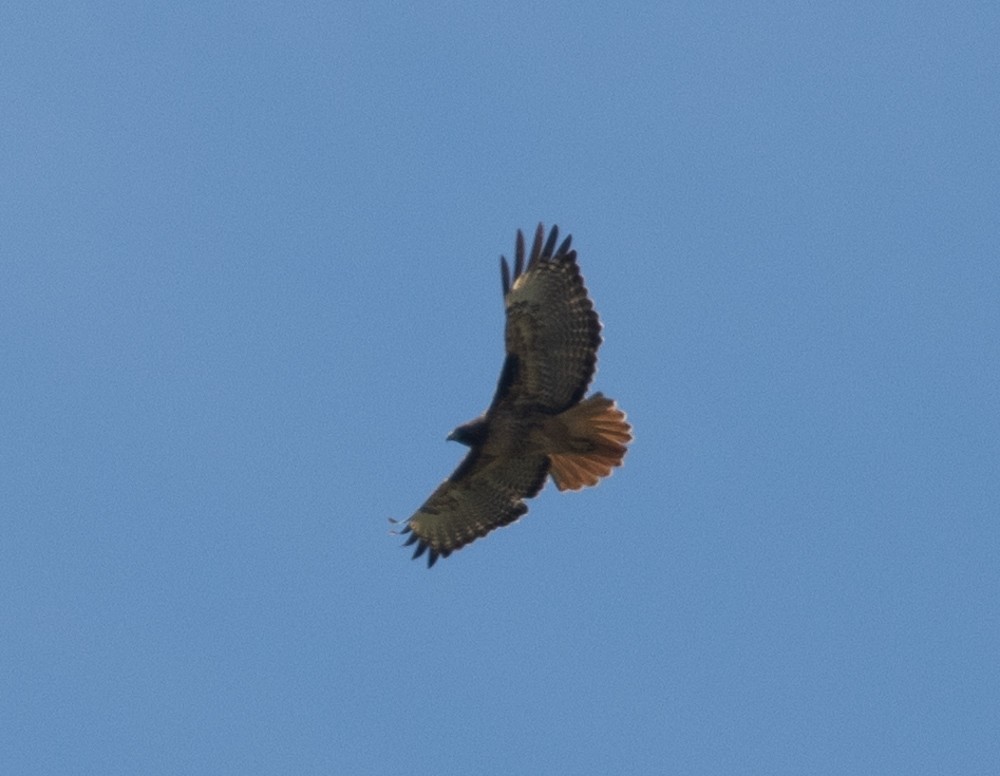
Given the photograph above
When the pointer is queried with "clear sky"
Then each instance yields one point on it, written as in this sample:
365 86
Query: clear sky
249 282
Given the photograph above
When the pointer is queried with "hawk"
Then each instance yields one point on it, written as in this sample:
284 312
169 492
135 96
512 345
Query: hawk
539 424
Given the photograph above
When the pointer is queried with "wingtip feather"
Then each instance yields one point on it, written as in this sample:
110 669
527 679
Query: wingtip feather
519 255
564 248
550 244
536 246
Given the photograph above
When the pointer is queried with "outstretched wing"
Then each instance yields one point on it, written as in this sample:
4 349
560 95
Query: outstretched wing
486 491
553 331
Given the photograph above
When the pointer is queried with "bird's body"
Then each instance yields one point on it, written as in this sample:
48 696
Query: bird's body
538 424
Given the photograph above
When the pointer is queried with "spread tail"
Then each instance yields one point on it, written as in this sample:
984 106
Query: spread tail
593 442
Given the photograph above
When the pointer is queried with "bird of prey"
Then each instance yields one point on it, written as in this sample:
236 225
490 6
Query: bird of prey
539 424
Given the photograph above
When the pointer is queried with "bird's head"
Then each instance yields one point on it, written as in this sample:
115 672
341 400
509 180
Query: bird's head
470 434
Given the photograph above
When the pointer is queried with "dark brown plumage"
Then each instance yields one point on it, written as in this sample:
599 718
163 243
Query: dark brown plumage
538 424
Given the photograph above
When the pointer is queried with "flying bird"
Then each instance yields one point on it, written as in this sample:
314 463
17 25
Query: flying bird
539 424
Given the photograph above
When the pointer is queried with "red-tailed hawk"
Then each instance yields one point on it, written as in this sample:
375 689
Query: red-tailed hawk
538 424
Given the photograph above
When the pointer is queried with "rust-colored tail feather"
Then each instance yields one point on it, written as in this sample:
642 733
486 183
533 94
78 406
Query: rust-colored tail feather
597 437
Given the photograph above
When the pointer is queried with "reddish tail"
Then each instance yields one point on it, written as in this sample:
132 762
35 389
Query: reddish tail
596 436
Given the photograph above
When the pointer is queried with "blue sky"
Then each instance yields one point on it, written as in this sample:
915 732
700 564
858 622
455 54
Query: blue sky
249 282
